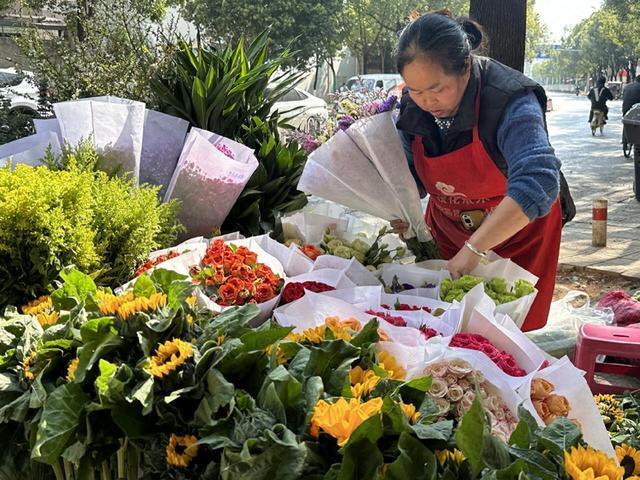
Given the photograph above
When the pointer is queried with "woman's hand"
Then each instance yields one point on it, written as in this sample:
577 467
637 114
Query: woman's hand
463 263
400 227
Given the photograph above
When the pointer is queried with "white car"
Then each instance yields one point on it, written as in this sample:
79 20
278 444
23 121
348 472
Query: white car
20 89
302 110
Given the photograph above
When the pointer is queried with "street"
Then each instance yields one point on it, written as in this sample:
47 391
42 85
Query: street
596 168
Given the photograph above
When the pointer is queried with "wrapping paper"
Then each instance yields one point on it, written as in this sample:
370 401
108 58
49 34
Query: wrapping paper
570 382
207 182
29 150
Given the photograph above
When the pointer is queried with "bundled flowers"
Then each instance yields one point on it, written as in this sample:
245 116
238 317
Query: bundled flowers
226 151
151 263
395 320
474 341
496 288
295 290
403 307
452 386
311 251
548 404
231 275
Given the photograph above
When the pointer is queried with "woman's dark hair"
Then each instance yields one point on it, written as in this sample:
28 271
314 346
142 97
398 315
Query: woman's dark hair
441 38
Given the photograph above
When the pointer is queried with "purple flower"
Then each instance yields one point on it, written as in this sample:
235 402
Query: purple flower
388 104
345 122
310 144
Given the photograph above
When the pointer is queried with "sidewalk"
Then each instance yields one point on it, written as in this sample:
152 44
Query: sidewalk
596 168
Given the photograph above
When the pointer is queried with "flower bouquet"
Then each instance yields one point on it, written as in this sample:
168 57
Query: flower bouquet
237 273
210 175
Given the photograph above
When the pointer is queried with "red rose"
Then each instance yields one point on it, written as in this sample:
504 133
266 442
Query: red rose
292 292
427 332
264 292
393 320
228 293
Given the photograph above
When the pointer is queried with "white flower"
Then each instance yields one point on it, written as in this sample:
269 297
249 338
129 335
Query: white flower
468 398
500 414
437 369
493 403
439 388
455 393
443 406
451 379
476 377
459 367
464 384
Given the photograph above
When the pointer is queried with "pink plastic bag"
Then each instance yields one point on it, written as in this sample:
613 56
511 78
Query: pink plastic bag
626 310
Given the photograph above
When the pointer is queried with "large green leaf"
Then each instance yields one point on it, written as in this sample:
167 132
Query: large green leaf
415 461
470 436
60 419
559 436
99 337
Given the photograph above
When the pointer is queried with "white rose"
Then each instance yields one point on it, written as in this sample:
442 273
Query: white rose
439 388
468 398
455 393
437 369
459 367
451 379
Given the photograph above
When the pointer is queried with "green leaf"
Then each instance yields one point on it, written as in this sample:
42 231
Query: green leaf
76 288
262 338
361 460
100 337
495 452
143 287
470 435
221 392
559 436
60 419
370 430
435 431
536 462
107 370
332 361
130 419
143 393
415 461
367 336
521 436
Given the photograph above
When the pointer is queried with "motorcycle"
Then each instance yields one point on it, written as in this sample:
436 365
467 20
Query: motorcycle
597 122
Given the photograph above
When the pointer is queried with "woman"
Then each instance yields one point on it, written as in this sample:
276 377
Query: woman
475 137
599 96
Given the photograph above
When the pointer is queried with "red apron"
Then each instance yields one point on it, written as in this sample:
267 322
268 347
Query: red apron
468 180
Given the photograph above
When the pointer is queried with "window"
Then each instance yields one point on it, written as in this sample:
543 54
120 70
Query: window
10 79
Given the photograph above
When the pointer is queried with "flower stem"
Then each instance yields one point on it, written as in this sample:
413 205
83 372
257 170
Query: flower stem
57 470
132 462
68 469
105 471
122 460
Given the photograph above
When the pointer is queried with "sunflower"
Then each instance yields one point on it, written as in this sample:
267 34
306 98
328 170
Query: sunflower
387 362
71 369
341 418
181 450
109 304
410 411
281 357
454 455
582 463
362 381
169 356
142 304
27 364
39 305
629 459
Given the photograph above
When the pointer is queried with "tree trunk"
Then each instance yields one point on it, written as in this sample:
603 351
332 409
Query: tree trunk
505 23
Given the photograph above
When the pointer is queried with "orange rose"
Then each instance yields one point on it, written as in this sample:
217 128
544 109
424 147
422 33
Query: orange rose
228 292
237 283
264 292
541 408
541 389
311 251
558 405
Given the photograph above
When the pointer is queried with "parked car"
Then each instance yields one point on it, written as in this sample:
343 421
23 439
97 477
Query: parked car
20 89
302 110
369 82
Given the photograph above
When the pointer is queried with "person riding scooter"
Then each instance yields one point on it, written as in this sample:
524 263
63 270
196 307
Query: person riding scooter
599 95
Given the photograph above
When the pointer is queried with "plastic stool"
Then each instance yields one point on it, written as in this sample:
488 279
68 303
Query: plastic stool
619 342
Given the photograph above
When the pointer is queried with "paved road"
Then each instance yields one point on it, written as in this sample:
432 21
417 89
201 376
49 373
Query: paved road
596 168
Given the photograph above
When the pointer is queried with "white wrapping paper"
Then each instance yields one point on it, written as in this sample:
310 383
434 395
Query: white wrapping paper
292 259
356 272
207 182
570 382
115 126
29 150
365 168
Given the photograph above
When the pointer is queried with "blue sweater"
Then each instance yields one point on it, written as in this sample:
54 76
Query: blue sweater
532 166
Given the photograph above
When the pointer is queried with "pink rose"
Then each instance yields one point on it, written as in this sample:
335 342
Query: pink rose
439 388
455 393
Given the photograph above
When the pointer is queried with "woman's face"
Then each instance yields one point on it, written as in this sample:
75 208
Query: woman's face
434 90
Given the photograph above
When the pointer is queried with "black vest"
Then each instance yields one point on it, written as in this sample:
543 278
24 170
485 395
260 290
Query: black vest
499 85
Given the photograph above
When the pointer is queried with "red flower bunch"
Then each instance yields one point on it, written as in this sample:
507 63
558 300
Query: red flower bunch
393 320
427 332
311 251
295 290
233 276
149 264
473 341
406 308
